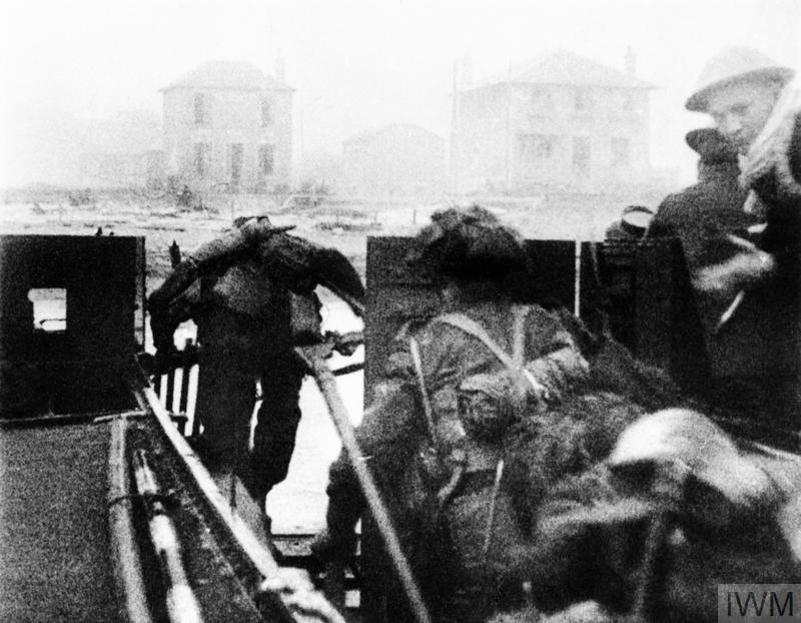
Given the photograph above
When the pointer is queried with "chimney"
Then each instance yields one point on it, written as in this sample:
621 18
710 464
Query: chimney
630 62
280 69
467 71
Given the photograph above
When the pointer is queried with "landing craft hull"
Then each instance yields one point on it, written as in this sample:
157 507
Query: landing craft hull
76 537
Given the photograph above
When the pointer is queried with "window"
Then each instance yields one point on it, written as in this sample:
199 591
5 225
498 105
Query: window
582 101
236 157
539 101
49 309
581 155
266 112
620 151
200 109
266 159
202 159
538 147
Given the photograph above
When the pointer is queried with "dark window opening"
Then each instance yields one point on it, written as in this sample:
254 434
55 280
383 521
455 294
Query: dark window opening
582 102
536 148
49 309
628 102
201 159
581 155
266 159
620 151
200 109
236 157
266 113
540 100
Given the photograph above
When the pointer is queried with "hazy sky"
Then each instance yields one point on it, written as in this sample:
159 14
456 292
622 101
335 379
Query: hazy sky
359 63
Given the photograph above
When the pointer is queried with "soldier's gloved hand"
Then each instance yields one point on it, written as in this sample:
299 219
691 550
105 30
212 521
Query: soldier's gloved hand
297 593
572 364
550 376
165 358
559 372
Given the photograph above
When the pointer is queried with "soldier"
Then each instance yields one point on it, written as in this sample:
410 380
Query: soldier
746 291
679 507
756 108
251 293
417 406
633 223
702 215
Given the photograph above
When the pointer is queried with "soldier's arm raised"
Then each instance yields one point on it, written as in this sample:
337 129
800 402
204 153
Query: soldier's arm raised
300 265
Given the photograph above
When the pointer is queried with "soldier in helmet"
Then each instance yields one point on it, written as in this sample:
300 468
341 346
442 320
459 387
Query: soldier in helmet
756 108
251 293
455 385
679 506
745 282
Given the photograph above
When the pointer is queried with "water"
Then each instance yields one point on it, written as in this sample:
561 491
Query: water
297 505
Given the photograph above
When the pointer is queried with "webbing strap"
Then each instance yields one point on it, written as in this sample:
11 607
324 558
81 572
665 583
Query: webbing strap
473 328
414 349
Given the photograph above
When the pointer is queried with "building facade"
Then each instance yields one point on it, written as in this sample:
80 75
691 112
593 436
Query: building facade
561 122
397 160
228 125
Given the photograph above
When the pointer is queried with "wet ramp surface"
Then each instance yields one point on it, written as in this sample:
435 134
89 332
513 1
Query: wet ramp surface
54 539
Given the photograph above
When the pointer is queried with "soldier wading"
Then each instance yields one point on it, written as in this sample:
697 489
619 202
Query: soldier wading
251 293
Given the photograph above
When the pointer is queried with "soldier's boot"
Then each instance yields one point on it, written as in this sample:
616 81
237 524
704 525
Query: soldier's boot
337 541
333 551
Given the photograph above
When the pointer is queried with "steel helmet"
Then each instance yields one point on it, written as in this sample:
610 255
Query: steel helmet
469 243
732 65
709 453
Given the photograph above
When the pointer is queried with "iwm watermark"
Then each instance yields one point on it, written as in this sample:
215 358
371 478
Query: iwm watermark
758 602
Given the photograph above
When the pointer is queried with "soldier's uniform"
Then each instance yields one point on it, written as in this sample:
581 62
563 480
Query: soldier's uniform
245 333
393 430
254 303
460 552
702 214
752 343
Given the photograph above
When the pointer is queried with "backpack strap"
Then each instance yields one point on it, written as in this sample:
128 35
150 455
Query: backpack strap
414 350
473 328
519 313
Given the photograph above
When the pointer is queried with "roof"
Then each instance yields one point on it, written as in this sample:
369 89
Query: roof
393 129
566 68
227 75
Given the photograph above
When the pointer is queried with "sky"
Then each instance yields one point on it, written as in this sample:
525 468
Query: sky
355 64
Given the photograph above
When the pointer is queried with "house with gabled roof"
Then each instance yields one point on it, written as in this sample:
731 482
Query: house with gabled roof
559 121
228 125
